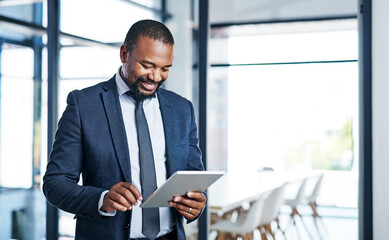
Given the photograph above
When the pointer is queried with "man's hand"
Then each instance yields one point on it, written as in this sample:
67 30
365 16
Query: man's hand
121 197
191 205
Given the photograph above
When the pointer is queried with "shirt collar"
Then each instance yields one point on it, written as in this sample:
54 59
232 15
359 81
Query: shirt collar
120 83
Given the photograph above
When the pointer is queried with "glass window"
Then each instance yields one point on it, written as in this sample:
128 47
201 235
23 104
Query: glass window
23 12
217 119
16 124
285 96
22 129
285 42
293 47
88 62
292 120
106 21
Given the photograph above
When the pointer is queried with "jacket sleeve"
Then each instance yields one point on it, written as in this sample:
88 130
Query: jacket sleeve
60 182
194 156
195 159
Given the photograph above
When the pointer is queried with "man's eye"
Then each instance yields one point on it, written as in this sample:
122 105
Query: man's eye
165 69
146 67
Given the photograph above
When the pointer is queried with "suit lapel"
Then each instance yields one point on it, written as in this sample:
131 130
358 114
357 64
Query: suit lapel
168 125
116 125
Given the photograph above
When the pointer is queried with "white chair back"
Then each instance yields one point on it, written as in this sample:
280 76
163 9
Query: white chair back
300 194
272 205
316 189
253 217
244 226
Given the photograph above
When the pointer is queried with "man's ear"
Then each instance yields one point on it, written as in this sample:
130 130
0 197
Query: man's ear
123 53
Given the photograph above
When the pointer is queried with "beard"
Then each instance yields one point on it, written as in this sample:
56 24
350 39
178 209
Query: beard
138 95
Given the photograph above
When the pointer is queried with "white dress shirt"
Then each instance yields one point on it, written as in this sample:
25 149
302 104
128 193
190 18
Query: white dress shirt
154 121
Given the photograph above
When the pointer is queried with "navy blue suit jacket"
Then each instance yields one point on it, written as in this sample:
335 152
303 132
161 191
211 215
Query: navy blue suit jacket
91 141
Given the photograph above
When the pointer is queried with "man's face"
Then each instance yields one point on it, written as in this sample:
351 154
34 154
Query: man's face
146 67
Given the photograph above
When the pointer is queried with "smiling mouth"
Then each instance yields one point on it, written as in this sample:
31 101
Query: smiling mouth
148 86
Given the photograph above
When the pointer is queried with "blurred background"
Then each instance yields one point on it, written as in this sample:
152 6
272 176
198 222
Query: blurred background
282 92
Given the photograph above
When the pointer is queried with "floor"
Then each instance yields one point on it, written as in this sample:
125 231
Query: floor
336 223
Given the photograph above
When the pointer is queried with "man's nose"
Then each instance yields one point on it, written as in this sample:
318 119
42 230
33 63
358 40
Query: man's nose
155 75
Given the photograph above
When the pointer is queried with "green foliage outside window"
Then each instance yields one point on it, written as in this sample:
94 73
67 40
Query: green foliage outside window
333 152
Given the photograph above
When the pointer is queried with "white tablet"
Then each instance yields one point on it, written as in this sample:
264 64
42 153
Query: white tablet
180 183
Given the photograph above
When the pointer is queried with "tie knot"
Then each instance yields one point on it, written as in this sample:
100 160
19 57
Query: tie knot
131 94
138 100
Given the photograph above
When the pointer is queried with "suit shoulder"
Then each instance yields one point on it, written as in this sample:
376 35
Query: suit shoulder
172 96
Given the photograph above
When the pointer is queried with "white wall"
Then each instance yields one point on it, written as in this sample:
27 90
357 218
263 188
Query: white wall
222 11
380 71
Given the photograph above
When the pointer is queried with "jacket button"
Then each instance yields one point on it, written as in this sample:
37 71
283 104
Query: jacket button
128 226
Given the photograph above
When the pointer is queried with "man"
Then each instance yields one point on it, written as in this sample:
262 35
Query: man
105 133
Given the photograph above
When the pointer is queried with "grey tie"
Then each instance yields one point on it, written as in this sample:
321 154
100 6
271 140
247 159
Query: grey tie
150 216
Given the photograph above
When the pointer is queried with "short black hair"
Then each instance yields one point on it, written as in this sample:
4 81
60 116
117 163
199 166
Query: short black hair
150 29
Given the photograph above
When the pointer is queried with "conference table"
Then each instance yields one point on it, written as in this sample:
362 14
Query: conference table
232 191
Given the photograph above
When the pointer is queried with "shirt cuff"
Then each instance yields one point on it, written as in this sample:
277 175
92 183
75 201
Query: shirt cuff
101 200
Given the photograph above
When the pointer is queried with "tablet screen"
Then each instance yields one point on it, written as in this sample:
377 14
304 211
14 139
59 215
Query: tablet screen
180 183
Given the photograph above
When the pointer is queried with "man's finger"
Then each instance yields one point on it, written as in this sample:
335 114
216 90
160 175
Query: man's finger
199 196
186 211
194 203
127 194
118 206
119 199
186 214
132 189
